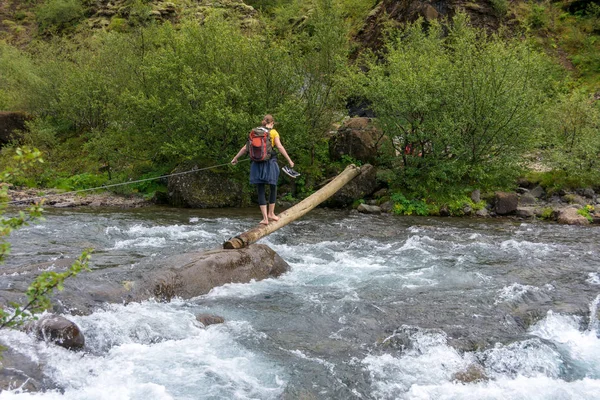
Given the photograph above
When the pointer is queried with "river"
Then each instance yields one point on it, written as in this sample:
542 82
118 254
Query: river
374 307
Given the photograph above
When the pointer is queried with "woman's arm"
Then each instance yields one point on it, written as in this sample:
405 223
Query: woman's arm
239 154
282 151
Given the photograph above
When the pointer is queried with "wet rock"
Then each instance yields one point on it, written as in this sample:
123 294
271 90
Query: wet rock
187 275
58 330
525 212
537 192
360 187
205 189
368 209
586 192
574 199
387 207
209 319
505 203
18 371
195 274
571 217
527 199
474 373
482 213
357 138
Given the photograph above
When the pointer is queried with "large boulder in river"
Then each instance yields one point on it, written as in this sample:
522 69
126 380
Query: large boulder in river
187 275
58 330
358 188
357 138
194 274
209 188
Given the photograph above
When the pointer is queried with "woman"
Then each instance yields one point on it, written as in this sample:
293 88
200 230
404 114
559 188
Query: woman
266 172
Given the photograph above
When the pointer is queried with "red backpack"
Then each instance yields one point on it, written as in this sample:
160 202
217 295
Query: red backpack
259 144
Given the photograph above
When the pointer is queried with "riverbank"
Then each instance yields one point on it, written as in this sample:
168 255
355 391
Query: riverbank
60 199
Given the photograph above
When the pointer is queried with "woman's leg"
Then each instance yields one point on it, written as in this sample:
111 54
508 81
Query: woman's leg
262 203
272 200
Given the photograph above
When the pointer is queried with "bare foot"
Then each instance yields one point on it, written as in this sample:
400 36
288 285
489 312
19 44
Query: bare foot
264 222
274 217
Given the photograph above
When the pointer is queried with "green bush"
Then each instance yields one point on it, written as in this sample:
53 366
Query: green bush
55 16
466 114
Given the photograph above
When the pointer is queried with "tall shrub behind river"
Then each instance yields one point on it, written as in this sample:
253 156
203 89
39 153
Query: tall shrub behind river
460 105
159 95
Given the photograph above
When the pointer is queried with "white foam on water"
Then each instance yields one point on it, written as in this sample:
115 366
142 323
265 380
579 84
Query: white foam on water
140 236
428 361
593 278
583 347
519 388
528 369
175 358
514 292
527 248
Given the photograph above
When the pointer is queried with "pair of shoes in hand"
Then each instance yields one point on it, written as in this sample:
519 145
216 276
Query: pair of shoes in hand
290 172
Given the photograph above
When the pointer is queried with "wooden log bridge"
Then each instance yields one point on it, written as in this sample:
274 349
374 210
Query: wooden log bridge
295 212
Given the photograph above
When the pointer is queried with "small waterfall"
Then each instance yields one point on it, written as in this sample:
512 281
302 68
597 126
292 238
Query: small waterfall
593 325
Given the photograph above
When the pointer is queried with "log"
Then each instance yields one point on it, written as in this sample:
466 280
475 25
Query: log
295 212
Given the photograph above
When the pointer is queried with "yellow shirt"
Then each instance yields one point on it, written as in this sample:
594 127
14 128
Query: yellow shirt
273 134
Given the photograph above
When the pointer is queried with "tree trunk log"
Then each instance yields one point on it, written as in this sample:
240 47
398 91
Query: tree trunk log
295 212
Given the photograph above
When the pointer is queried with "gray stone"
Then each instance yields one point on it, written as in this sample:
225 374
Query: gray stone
357 138
368 209
209 319
387 207
527 199
537 192
525 212
476 196
358 188
482 213
505 203
571 217
58 330
205 189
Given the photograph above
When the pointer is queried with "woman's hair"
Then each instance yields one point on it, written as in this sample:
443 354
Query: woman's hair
267 119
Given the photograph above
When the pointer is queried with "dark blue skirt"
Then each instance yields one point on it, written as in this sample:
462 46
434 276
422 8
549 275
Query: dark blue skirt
264 172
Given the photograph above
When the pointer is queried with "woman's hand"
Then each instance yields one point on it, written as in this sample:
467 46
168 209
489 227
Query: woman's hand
291 164
234 161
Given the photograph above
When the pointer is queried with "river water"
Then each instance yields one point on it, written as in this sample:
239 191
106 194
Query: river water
374 307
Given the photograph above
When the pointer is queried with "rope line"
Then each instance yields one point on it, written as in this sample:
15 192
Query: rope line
116 184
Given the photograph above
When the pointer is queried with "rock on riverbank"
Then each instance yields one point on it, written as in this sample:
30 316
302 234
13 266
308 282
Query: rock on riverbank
60 199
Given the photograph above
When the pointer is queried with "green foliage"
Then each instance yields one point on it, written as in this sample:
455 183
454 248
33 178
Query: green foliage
571 138
585 213
537 17
547 213
460 108
56 16
500 7
404 206
80 181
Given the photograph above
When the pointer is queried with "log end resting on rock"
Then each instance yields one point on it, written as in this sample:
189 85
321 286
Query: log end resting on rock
295 212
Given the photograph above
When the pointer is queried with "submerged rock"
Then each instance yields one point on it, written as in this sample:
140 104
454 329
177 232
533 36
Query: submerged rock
209 319
58 330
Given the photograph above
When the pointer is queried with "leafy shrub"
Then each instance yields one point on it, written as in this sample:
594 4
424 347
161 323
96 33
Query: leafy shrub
81 181
500 7
585 213
537 17
403 206
547 213
55 16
